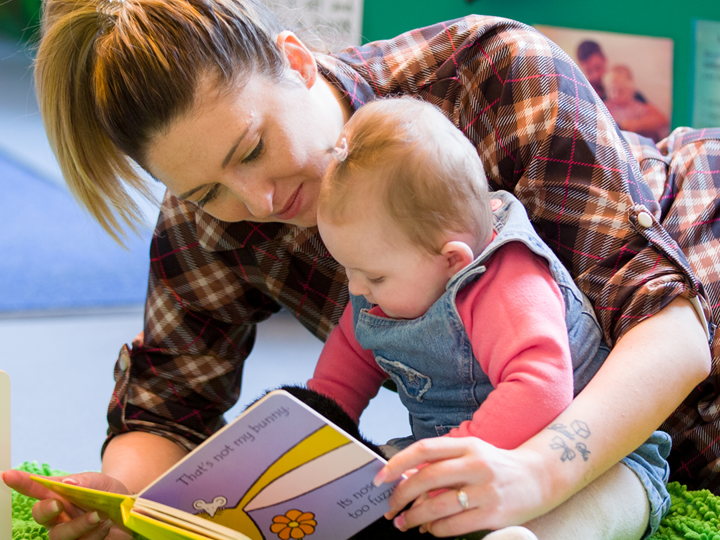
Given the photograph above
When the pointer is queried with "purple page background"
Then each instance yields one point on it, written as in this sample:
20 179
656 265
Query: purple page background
234 475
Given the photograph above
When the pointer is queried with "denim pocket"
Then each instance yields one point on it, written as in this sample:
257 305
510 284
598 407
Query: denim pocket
413 383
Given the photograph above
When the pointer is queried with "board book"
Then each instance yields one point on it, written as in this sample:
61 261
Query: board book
279 470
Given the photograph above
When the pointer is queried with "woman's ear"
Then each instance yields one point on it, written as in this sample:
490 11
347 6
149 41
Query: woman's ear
300 59
457 256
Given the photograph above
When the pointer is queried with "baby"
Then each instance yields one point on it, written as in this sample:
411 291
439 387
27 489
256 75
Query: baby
454 297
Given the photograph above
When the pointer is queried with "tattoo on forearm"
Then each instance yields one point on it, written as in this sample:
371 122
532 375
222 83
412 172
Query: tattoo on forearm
581 428
558 443
561 428
584 452
577 428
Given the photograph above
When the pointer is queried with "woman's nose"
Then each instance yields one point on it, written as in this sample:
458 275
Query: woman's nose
257 195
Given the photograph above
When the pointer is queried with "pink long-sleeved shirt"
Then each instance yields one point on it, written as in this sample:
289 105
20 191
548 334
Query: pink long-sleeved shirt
514 316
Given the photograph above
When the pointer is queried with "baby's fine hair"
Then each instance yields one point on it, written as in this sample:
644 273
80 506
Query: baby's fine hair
427 173
112 74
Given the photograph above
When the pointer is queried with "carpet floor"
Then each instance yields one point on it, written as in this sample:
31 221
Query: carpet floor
54 257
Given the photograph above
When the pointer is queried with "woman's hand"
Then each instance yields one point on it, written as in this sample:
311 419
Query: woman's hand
502 486
64 520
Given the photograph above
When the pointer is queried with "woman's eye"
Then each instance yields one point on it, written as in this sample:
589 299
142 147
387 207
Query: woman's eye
256 152
376 281
209 196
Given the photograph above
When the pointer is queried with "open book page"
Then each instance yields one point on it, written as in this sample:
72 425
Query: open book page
278 468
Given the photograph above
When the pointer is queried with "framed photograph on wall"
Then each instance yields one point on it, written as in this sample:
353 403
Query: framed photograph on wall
631 74
706 82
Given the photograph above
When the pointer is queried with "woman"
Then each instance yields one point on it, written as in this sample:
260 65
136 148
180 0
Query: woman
237 118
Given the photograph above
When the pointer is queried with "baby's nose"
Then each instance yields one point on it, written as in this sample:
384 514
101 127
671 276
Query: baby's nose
356 288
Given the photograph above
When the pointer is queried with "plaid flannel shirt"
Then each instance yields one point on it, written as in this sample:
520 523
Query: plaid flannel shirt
541 132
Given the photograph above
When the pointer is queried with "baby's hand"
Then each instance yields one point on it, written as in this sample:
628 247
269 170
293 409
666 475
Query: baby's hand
63 520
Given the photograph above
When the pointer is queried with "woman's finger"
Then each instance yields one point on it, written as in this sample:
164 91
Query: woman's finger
447 474
20 482
459 524
447 505
88 527
98 481
49 512
423 451
51 508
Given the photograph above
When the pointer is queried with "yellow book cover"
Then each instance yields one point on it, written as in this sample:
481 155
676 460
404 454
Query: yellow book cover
279 470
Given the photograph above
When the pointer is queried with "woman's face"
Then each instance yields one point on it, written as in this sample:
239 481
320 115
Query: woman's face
255 153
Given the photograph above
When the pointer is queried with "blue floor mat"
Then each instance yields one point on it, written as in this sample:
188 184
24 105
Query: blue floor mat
54 257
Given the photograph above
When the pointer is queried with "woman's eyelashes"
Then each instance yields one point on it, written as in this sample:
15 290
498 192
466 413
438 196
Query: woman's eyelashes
256 152
213 191
376 281
209 196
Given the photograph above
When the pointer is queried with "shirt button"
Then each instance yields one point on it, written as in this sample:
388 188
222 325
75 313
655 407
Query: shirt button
123 361
644 219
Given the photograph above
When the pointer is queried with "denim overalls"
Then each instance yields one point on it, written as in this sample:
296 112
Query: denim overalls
440 382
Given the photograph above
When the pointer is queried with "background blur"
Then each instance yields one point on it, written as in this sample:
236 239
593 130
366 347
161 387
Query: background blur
70 297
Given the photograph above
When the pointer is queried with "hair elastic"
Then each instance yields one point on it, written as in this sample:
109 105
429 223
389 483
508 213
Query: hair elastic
341 152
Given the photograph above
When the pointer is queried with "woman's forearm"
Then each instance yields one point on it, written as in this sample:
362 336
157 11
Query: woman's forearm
137 458
647 375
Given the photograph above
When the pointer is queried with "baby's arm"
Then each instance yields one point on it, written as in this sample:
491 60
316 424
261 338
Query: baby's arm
345 371
515 318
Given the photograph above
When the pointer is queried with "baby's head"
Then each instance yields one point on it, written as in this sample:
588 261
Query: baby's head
407 207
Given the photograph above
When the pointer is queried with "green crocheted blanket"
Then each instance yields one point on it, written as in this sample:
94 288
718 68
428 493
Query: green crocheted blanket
694 515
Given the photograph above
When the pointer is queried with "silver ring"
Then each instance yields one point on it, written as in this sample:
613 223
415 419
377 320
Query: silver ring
462 499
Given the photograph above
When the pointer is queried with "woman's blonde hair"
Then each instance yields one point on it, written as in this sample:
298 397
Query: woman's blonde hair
112 74
427 174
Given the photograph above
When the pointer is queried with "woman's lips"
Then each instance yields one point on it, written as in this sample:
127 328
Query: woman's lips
292 208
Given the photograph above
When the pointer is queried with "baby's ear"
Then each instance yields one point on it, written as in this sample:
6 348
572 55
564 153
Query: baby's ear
457 256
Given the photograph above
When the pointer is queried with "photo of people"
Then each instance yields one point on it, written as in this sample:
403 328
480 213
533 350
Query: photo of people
631 74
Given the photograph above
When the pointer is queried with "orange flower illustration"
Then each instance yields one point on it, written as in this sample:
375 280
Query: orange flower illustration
294 524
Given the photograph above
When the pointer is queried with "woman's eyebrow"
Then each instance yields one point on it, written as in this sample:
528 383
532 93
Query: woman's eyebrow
232 150
229 156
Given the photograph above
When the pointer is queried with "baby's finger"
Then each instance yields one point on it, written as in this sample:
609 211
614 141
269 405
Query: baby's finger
86 526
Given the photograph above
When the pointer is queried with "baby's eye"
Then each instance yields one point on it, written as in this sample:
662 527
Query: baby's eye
376 281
